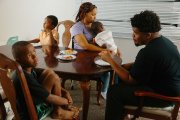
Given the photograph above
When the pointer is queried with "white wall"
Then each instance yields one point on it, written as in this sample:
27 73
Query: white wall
129 50
25 18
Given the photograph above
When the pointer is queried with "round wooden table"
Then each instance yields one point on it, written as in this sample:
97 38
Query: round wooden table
81 69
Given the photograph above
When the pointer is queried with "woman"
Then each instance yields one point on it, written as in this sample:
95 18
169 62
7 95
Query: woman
83 38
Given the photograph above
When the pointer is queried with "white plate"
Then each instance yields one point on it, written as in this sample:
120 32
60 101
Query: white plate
36 44
68 52
66 57
99 61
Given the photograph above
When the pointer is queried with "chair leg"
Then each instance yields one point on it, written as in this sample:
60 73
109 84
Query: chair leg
72 85
175 112
99 86
2 109
63 83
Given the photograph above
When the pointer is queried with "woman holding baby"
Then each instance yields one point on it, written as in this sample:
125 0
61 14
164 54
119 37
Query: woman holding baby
83 38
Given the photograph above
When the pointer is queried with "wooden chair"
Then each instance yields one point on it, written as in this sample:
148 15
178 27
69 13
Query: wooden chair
66 36
12 40
168 113
66 39
7 65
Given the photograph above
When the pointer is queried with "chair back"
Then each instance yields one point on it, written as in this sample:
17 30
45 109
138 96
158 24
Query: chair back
66 36
12 40
7 65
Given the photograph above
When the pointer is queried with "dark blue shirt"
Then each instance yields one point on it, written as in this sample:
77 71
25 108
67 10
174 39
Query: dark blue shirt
38 93
158 66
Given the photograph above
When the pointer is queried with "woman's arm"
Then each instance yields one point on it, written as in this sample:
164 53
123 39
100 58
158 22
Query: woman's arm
81 40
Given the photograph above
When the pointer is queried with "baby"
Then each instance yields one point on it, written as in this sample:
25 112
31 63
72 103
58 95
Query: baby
103 38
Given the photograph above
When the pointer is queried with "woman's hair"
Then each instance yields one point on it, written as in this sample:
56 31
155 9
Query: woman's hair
83 10
96 27
146 21
53 19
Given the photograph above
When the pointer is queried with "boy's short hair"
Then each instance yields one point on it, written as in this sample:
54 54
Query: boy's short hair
96 27
54 20
146 21
17 49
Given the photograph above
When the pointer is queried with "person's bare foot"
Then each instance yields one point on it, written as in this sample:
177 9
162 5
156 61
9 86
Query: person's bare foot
65 114
73 108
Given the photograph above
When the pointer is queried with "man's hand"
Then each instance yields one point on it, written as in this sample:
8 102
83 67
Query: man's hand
106 56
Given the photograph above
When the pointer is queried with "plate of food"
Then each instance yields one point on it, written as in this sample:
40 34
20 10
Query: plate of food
68 52
99 61
66 57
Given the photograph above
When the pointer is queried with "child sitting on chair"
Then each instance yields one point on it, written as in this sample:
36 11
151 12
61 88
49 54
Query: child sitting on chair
49 35
45 86
103 38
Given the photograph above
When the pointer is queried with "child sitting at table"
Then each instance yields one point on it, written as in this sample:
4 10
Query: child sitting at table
45 86
103 38
49 35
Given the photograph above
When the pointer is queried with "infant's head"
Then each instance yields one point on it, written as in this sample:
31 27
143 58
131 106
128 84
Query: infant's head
97 27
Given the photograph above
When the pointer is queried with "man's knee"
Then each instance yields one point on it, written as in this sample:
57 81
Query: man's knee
112 91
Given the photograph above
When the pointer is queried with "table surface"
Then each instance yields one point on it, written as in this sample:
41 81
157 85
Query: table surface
83 65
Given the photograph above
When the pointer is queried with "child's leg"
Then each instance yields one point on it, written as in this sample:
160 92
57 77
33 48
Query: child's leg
105 79
65 114
51 82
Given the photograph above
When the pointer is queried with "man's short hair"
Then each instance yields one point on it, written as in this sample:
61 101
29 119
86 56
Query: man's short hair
17 49
146 21
54 20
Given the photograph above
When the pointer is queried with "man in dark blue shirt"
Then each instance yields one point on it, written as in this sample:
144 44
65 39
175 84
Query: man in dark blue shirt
156 68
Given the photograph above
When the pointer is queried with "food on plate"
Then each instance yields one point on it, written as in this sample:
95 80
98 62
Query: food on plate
68 57
69 51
